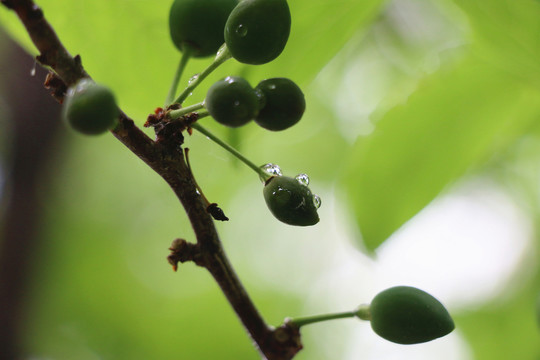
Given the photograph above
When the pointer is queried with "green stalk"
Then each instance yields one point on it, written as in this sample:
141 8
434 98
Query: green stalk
176 114
299 322
222 55
202 114
264 175
186 55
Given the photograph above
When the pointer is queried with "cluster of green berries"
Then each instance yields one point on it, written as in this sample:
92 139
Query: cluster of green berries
255 31
275 104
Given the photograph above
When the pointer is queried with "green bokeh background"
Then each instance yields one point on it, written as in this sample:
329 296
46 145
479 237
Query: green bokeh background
102 288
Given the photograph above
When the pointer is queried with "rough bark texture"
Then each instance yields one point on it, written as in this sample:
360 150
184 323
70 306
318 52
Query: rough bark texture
167 159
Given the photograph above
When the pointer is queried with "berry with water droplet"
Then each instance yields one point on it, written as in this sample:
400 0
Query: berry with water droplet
284 104
290 201
272 169
232 101
199 24
302 179
90 108
257 30
407 315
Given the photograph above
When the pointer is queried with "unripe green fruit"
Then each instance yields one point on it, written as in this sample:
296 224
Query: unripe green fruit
199 24
257 30
407 315
284 104
90 108
290 201
232 101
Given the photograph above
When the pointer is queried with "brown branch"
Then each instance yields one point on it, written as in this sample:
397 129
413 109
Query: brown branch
169 162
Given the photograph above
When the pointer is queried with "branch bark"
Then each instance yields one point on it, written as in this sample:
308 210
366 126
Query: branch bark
275 344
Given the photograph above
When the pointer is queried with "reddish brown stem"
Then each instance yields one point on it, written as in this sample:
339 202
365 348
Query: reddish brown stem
275 344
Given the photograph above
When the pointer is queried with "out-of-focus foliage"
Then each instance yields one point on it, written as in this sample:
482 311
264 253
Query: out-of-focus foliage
453 120
448 124
388 146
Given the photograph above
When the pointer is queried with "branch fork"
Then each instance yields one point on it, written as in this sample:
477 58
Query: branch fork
281 343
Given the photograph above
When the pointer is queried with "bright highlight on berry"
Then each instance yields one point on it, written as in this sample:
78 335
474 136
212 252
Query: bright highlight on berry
90 108
257 30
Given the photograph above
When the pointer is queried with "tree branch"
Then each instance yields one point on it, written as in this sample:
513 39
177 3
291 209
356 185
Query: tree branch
169 162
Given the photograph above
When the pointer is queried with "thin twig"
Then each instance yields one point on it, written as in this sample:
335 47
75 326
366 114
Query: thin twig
275 344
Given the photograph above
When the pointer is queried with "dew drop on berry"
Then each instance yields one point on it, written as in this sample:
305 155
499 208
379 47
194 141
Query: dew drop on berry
241 30
303 179
317 201
272 169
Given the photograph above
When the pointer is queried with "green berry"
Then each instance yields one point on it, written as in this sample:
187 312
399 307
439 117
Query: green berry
407 315
199 24
90 108
232 101
290 201
284 104
257 30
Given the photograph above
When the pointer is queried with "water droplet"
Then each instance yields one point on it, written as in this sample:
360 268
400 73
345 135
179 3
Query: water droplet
272 169
317 201
236 103
302 179
261 97
193 78
220 51
33 70
241 30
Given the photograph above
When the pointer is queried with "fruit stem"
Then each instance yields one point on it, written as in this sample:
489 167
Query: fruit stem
299 322
186 55
264 175
176 114
222 55
202 114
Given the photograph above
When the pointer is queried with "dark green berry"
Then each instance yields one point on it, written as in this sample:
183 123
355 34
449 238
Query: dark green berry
199 24
284 104
90 108
232 101
257 30
407 315
290 201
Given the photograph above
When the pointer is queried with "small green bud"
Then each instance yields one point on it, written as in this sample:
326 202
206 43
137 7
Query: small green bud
407 315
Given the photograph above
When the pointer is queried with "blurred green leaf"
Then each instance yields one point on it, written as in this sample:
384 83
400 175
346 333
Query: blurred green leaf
506 34
454 120
125 44
504 329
